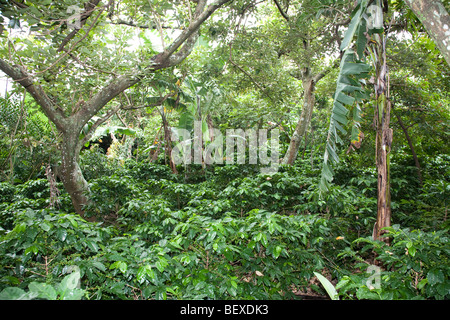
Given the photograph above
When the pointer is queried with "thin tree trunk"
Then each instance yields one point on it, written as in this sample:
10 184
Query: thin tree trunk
167 137
303 122
384 133
384 139
411 146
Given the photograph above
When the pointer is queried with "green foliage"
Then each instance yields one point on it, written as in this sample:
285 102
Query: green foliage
238 235
351 73
6 192
416 266
94 163
66 290
222 231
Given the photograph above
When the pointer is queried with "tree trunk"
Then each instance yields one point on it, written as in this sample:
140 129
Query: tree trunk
303 122
411 146
383 140
70 172
436 21
168 142
383 144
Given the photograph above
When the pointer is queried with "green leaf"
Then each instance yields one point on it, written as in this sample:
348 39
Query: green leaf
411 249
142 272
354 24
435 276
33 249
72 221
13 293
186 121
99 265
232 291
43 290
70 282
329 288
121 265
355 68
92 245
46 226
161 264
277 251
61 234
367 294
126 131
422 284
75 294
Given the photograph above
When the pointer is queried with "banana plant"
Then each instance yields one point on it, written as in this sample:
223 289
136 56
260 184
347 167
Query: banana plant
102 131
356 67
202 96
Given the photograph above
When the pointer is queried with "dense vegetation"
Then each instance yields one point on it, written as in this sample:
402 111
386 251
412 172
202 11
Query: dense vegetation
150 228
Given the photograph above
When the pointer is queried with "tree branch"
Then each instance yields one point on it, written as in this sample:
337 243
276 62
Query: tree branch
186 40
154 104
52 111
285 16
89 9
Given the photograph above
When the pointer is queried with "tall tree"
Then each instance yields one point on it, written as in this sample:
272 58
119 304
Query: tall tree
315 27
71 44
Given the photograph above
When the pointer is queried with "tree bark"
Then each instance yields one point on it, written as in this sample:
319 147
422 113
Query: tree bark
168 141
303 121
383 140
70 172
436 21
383 144
309 86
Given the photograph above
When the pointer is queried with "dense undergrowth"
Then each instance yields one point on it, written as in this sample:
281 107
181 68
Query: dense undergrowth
224 232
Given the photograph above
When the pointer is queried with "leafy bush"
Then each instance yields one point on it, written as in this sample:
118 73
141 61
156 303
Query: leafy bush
34 189
109 193
66 290
229 237
94 163
7 191
416 266
145 170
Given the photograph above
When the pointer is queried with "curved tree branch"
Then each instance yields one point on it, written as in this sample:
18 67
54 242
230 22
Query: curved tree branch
285 16
89 9
51 110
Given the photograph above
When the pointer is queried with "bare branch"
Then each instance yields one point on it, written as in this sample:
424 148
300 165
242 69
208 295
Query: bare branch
285 16
154 104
